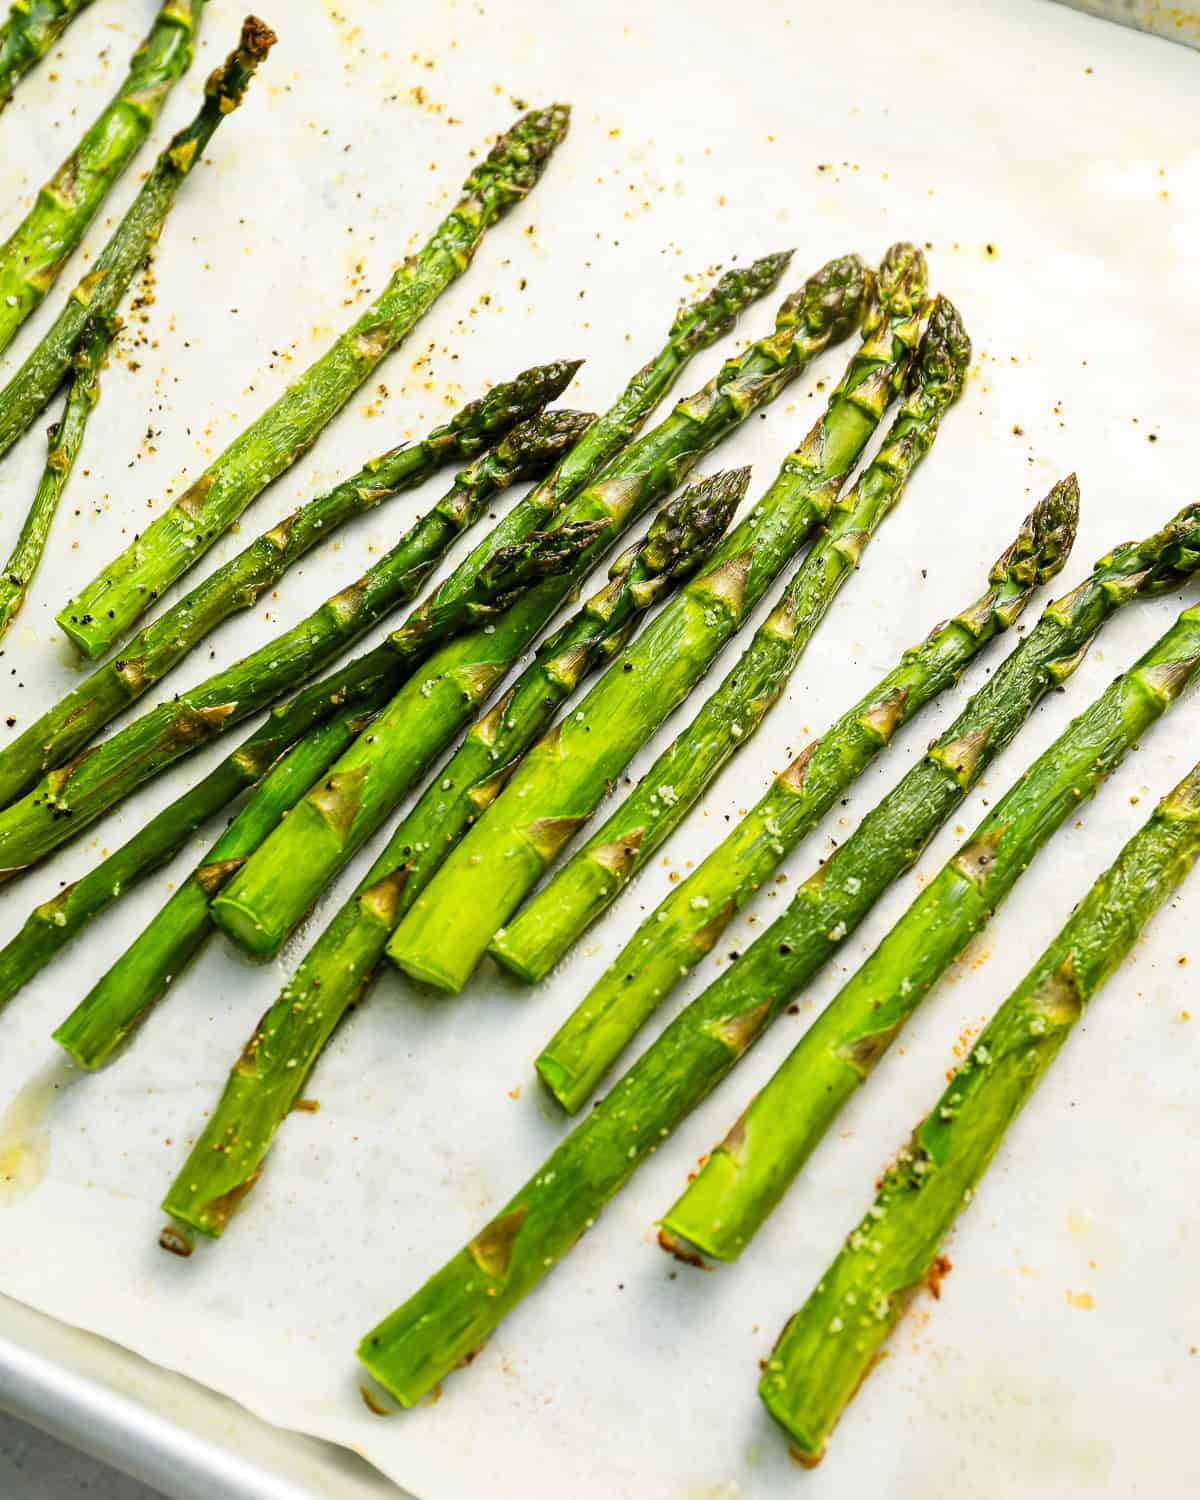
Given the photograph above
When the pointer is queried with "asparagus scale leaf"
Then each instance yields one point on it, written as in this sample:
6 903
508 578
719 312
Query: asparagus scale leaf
31 28
177 540
36 251
77 718
454 1312
828 1347
73 795
99 293
528 449
563 779
65 441
558 914
266 899
747 1175
80 793
338 968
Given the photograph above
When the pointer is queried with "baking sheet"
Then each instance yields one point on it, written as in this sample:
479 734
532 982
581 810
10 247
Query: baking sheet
1045 159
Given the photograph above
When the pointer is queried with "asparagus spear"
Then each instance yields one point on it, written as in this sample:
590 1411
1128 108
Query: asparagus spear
527 449
76 718
687 923
142 974
71 796
32 28
272 892
828 1347
177 540
448 1318
564 777
747 1175
65 438
99 293
340 965
124 994
543 931
36 251
127 760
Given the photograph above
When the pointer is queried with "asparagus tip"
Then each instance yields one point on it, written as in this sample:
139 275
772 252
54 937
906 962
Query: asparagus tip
257 38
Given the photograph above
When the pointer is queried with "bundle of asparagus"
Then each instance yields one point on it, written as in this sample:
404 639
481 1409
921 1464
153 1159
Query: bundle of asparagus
67 727
99 292
30 30
267 1079
688 923
122 997
36 251
265 900
543 931
746 1176
177 540
552 793
528 450
829 1346
74 795
448 1318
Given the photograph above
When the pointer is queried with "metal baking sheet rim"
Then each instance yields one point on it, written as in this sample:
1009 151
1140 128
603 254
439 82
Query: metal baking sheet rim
108 1402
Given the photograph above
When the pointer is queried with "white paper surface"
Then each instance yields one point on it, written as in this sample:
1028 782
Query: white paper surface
1047 161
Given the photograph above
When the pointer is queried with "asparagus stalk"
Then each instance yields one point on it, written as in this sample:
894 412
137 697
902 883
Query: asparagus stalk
563 778
127 760
78 717
448 1318
73 795
123 996
65 438
543 931
272 892
340 965
828 1347
36 251
176 541
140 977
51 926
32 28
99 293
687 923
748 1174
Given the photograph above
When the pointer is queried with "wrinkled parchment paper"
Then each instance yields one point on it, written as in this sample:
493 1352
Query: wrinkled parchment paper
1047 161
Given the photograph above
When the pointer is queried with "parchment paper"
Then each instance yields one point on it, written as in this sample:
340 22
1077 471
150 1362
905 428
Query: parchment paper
1047 161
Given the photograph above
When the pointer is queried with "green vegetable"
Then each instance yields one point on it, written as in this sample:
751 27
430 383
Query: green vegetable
340 965
178 539
36 251
99 292
65 441
51 926
32 28
827 1349
73 795
125 993
562 910
563 779
455 1311
82 713
279 884
747 1175
688 922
